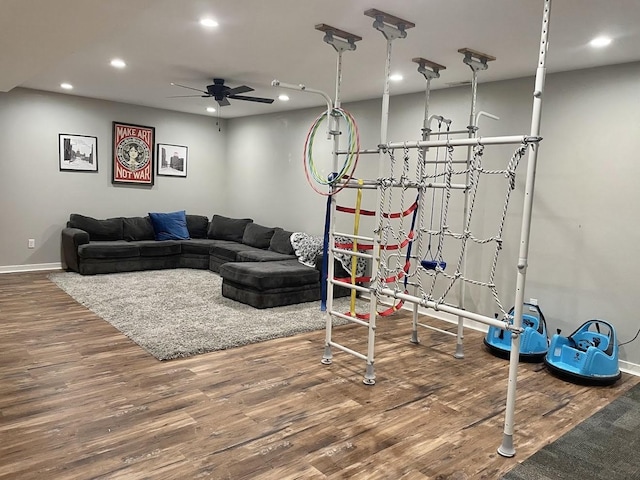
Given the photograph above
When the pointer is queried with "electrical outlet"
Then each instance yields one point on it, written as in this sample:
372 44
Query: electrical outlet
32 243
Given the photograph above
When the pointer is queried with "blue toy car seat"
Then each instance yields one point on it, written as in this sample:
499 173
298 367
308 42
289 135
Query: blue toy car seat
587 356
534 342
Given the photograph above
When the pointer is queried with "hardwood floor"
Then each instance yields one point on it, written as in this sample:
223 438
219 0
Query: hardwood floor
79 400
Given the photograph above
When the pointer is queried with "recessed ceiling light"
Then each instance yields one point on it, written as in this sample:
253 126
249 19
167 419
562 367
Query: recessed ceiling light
118 63
283 97
208 22
396 77
211 109
66 86
599 42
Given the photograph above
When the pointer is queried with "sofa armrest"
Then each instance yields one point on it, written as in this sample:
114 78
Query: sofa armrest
72 238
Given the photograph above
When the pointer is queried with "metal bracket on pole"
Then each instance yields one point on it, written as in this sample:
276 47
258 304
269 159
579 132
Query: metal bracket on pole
338 39
392 27
433 70
341 42
476 60
429 70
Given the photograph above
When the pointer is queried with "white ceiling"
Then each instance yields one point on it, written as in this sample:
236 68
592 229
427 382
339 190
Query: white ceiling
46 42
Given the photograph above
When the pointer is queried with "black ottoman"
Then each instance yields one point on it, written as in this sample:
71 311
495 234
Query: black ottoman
270 284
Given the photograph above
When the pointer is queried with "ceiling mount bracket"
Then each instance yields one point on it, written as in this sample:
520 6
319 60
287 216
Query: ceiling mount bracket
340 40
476 60
392 27
427 68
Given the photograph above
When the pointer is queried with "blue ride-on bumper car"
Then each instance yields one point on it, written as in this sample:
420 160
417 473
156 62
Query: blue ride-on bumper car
534 341
588 356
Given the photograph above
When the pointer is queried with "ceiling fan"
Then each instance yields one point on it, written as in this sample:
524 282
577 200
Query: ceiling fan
223 93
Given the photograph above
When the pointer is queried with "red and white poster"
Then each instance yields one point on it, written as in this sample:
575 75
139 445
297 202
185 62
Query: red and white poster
133 147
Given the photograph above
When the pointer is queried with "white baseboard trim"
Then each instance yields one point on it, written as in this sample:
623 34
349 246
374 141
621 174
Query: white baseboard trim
30 268
630 368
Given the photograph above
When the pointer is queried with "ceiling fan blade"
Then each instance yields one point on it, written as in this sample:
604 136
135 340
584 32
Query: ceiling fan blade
252 99
237 90
188 96
190 88
224 102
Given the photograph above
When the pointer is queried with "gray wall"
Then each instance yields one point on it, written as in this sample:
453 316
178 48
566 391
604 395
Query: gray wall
37 198
582 262
584 233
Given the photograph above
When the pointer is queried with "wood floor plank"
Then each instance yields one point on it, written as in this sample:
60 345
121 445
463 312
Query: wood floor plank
79 400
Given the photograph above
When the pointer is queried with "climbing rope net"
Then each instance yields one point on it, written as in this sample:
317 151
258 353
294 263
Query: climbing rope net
429 268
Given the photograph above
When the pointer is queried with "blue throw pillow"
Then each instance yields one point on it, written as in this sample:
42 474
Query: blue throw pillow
170 226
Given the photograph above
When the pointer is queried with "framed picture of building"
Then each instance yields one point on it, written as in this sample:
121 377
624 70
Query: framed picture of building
172 160
77 153
133 148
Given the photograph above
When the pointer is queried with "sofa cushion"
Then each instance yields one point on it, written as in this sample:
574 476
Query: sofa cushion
170 226
257 235
110 229
224 228
281 242
229 250
198 246
158 248
262 256
137 228
269 275
108 250
197 226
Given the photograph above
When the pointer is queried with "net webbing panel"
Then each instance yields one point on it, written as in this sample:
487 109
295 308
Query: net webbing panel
389 263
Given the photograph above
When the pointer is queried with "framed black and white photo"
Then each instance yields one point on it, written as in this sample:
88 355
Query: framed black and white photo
78 153
172 160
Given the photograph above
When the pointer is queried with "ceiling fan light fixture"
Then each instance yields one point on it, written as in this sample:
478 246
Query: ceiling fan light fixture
208 22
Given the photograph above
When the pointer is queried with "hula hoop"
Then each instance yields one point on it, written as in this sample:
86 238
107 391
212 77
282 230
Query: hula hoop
351 160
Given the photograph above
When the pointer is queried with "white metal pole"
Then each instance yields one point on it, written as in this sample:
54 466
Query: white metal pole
333 120
506 449
426 130
465 226
369 377
457 142
445 308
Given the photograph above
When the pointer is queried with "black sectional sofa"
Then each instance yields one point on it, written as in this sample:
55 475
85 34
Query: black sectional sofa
258 265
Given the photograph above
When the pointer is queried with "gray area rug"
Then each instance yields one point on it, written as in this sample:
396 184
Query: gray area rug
179 313
606 446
